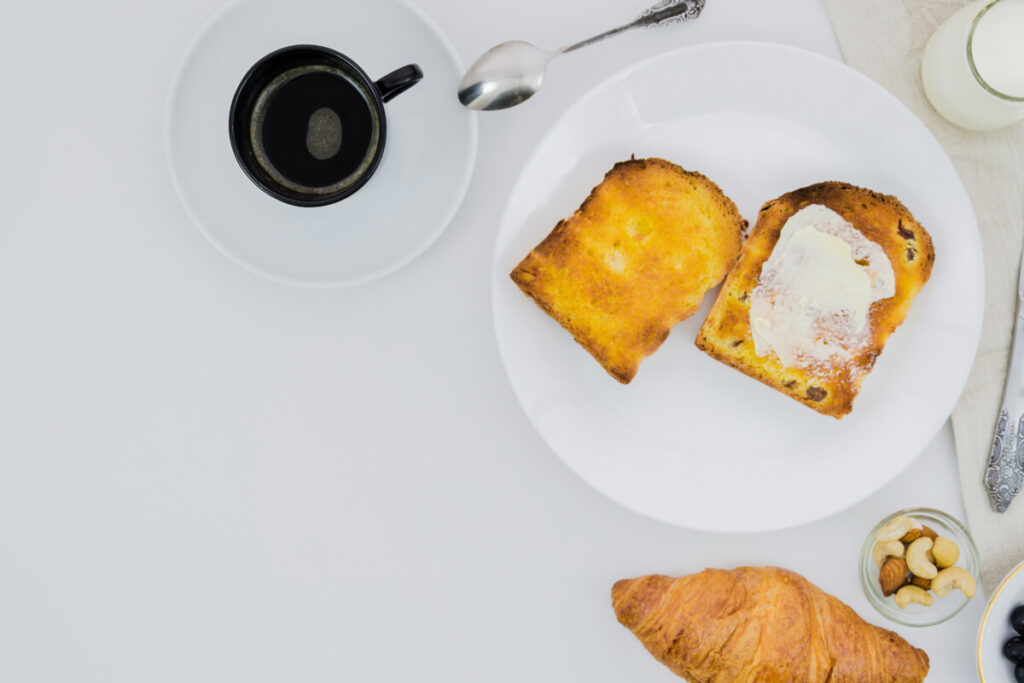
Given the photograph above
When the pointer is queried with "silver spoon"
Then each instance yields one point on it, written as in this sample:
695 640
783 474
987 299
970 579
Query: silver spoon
510 73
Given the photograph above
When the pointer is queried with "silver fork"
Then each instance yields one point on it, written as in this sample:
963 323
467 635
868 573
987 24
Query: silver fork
1004 475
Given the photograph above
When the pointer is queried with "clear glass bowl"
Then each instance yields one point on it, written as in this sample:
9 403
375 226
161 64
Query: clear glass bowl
942 608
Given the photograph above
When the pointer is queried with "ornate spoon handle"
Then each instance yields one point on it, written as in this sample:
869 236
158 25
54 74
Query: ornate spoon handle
663 13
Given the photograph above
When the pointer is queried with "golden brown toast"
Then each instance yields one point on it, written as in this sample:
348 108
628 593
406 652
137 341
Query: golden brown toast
726 334
635 259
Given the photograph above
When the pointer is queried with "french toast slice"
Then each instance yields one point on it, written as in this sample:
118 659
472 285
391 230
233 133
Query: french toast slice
633 260
829 388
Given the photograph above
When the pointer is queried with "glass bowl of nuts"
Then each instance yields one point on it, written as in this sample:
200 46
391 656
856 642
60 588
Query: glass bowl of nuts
919 567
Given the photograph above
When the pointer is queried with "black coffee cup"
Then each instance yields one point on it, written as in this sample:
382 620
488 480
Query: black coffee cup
307 124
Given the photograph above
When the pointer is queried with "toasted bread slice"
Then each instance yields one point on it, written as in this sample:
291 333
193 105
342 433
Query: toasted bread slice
635 259
831 390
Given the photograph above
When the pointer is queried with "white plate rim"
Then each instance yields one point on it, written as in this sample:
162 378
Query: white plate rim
457 198
985 615
622 74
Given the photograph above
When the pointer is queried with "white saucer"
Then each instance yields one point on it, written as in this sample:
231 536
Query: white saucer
406 205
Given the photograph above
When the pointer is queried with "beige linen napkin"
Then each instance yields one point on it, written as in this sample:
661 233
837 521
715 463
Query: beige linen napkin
885 39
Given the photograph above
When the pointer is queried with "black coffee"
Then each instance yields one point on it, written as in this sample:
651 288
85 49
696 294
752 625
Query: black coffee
313 130
307 124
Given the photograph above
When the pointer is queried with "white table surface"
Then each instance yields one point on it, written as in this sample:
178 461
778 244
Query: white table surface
205 476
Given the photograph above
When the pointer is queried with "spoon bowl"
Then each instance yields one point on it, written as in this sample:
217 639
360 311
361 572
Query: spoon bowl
504 76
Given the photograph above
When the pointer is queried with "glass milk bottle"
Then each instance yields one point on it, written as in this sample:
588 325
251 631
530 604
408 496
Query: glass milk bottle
973 65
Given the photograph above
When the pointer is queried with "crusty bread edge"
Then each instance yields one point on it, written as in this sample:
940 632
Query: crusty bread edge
624 374
837 406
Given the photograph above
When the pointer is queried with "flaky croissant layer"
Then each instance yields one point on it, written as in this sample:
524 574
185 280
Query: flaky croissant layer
761 624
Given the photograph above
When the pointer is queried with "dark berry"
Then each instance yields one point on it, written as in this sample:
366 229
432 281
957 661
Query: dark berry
1014 650
1018 673
1017 619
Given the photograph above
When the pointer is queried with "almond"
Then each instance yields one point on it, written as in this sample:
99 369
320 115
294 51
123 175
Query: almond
926 531
921 583
893 575
911 536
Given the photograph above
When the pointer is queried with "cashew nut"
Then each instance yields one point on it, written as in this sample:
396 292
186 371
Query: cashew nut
895 529
912 594
917 559
945 551
954 577
886 549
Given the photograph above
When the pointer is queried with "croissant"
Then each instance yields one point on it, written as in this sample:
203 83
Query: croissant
759 624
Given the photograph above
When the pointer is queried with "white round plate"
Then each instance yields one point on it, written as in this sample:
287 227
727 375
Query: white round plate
995 628
691 441
405 206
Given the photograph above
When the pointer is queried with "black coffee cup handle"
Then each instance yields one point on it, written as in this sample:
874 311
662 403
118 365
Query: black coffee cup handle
398 81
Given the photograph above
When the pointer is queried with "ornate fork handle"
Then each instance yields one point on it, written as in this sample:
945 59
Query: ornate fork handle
663 13
1005 473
